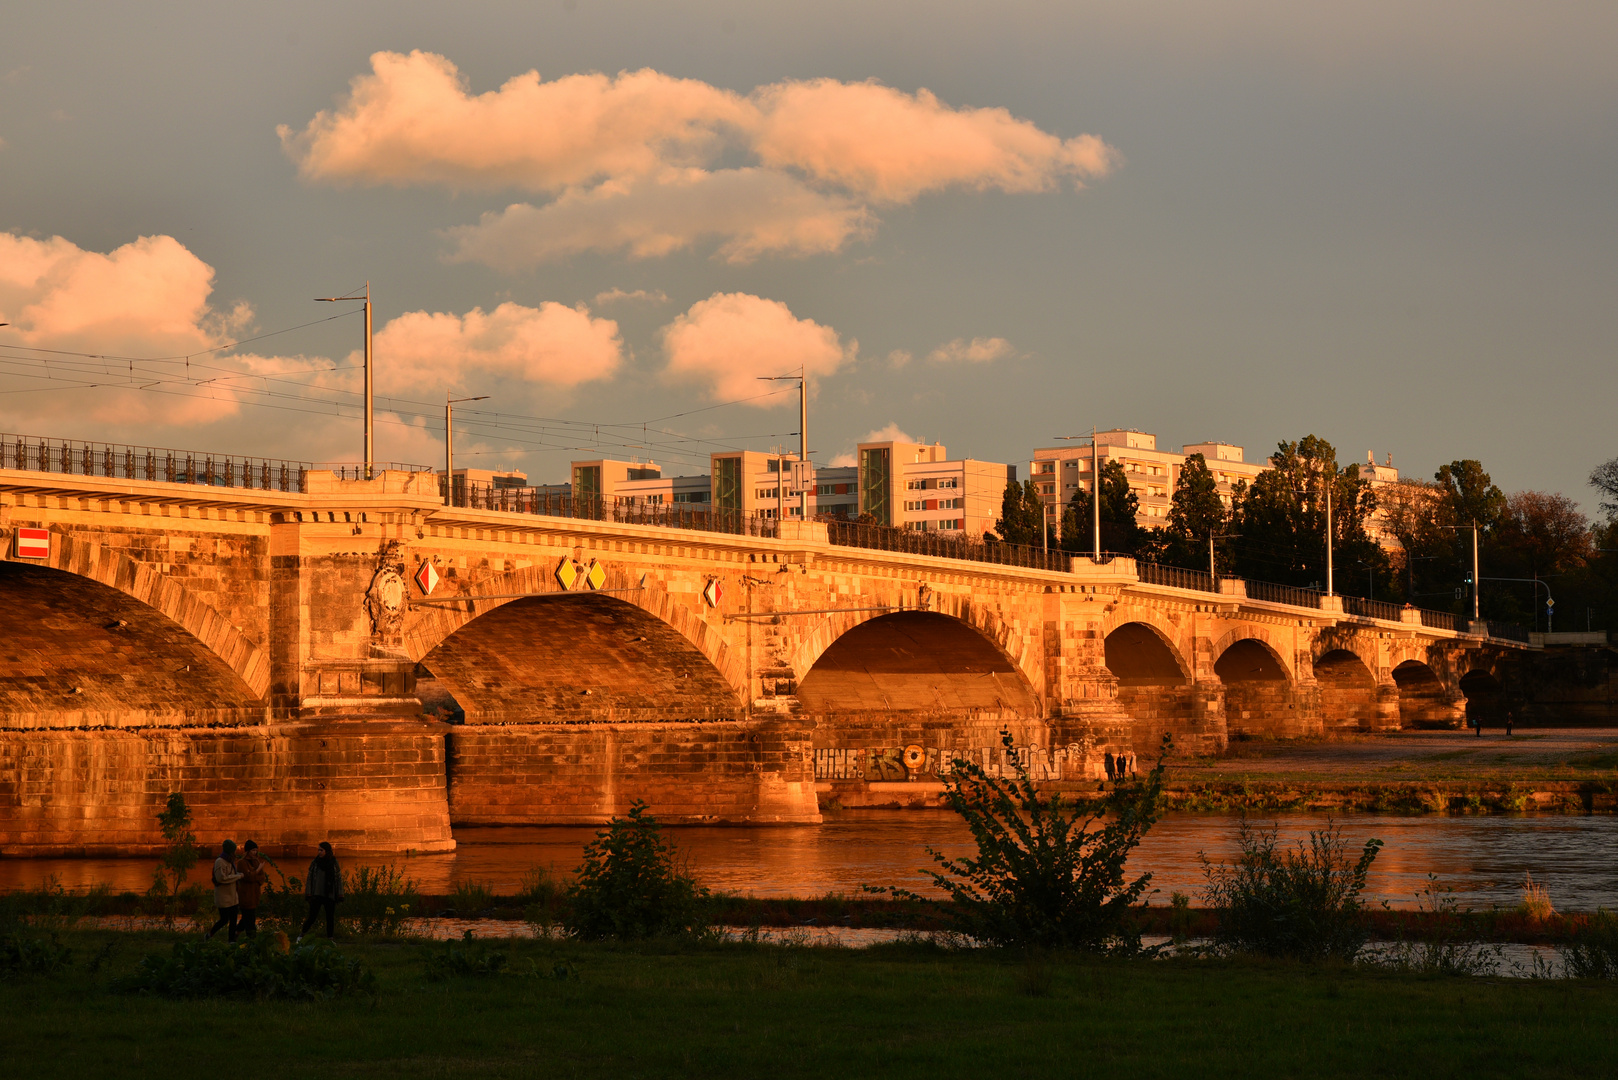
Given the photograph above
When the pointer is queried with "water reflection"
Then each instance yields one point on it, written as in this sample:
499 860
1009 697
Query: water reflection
1482 858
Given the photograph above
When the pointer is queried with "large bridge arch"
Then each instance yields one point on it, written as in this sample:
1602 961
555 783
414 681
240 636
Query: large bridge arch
1424 700
986 622
521 652
1261 697
98 640
1348 690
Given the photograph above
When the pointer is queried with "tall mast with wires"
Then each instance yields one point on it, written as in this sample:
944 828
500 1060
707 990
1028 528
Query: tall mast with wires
370 455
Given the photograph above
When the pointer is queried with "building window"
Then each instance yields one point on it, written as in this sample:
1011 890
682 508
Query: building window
586 481
727 483
947 482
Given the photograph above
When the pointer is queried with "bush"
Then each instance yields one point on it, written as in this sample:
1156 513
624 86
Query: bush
168 880
260 967
629 885
1042 877
28 954
471 897
1536 900
1593 952
1283 903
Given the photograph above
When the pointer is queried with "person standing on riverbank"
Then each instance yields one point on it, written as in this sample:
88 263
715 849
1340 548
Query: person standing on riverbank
323 888
225 877
250 887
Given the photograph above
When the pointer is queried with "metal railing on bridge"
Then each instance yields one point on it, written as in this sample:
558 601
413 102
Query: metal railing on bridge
944 546
1372 609
73 457
1271 593
473 495
1177 577
1507 631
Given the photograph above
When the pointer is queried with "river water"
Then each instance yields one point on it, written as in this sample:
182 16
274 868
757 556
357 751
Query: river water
1483 859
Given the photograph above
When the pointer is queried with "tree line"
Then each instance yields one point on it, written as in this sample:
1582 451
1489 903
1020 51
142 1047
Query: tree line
1405 542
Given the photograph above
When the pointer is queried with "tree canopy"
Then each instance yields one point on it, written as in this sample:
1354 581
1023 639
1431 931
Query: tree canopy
1119 507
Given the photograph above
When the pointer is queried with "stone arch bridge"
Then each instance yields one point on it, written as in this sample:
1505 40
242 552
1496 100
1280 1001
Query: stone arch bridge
272 655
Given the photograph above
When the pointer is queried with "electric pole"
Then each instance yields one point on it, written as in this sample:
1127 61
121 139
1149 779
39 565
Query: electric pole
370 456
449 443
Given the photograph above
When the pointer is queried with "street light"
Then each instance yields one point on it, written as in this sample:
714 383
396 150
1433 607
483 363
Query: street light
449 443
1477 582
369 456
801 474
1095 491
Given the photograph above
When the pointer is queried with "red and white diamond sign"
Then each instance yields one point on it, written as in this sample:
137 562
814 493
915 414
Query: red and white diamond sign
713 592
33 544
427 577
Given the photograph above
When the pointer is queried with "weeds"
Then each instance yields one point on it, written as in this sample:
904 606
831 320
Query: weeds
377 900
1593 952
1283 903
462 960
1536 901
1446 940
471 896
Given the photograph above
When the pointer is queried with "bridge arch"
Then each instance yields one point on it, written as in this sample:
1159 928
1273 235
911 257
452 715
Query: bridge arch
1424 700
980 618
99 640
1260 637
1486 703
1348 690
522 651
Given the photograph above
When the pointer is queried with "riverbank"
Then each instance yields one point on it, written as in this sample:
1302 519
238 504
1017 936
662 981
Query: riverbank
748 1010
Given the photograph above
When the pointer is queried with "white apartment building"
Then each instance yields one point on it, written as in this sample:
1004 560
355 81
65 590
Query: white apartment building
638 480
917 486
1059 471
756 483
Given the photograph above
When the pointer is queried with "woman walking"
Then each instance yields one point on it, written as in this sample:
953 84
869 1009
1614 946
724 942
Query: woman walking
225 877
249 888
323 888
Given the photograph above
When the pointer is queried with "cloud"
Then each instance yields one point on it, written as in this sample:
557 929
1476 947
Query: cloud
731 339
900 357
649 164
413 121
842 461
752 211
889 146
891 433
977 351
145 300
613 295
552 344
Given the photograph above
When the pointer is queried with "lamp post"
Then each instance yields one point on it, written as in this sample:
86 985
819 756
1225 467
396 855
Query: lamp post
1095 491
1327 475
449 443
803 437
369 456
1477 582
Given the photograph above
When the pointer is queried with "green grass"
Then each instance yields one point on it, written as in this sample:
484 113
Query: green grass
757 1011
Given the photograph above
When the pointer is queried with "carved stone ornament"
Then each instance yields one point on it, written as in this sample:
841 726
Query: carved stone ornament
385 600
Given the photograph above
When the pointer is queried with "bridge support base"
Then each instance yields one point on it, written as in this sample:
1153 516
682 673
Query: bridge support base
375 787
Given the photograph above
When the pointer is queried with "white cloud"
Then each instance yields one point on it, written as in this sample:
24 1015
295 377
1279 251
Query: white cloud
614 295
552 344
900 357
978 350
730 340
752 212
842 461
891 433
647 163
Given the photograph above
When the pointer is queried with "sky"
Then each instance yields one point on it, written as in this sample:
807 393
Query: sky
1390 224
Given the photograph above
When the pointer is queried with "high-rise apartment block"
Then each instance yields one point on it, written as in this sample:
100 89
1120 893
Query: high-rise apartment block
1058 472
917 486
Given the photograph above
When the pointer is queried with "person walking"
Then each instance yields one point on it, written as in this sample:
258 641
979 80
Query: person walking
225 877
250 887
323 888
1110 769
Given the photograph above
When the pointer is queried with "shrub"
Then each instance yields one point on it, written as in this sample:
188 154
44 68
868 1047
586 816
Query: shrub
539 886
260 967
1284 903
1593 952
31 954
629 885
1042 877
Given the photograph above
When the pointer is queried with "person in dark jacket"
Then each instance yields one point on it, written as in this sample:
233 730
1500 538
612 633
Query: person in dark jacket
323 888
250 887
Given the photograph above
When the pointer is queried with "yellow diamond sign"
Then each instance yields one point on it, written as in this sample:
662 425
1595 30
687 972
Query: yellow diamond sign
567 572
596 576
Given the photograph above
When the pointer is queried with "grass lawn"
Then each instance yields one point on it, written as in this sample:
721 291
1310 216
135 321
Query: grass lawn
777 1012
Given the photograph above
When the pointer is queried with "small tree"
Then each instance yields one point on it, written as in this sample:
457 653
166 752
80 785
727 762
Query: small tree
175 821
1042 876
1022 514
629 885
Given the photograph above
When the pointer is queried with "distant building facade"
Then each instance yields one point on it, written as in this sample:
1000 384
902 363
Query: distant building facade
918 486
